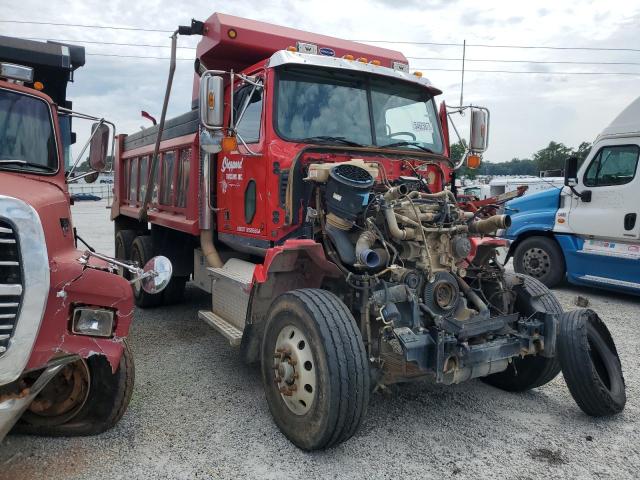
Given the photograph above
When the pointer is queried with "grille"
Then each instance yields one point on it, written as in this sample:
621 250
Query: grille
10 283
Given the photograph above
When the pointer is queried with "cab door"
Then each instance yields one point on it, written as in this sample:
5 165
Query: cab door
610 174
241 175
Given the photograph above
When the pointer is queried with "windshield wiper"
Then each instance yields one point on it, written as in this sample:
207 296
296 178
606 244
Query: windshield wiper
406 143
24 162
327 138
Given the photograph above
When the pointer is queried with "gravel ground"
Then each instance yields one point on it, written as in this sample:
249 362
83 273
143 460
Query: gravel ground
198 412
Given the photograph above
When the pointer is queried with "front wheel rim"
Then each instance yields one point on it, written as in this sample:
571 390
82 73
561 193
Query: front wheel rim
536 262
294 370
64 396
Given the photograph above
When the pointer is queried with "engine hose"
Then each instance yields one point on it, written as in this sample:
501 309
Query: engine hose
343 245
483 310
490 225
364 253
395 231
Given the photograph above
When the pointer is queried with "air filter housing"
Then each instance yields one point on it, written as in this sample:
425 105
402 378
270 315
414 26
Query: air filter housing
348 190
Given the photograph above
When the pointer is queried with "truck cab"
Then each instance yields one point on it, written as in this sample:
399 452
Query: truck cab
587 231
65 367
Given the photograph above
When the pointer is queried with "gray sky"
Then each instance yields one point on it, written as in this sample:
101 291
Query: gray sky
527 111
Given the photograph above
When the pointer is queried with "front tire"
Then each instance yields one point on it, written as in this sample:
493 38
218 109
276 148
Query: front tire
58 410
540 258
525 373
314 369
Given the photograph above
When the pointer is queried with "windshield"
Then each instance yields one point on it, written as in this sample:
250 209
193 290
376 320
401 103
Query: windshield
27 139
364 109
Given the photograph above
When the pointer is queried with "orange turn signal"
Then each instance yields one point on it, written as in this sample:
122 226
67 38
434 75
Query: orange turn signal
229 144
473 161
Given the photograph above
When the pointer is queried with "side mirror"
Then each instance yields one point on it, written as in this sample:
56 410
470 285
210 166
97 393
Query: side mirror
211 101
155 275
479 130
571 171
98 146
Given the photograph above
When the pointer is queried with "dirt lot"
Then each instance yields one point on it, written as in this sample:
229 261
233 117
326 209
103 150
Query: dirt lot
198 412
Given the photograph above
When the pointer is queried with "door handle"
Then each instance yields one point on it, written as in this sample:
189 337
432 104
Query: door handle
629 221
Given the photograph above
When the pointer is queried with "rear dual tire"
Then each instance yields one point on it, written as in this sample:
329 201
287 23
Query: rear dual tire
140 249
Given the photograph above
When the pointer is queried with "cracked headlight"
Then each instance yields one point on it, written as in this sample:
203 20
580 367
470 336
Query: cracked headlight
96 322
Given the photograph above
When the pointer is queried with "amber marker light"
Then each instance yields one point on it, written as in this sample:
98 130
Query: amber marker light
232 34
229 144
348 57
38 85
292 49
418 74
375 62
363 60
473 161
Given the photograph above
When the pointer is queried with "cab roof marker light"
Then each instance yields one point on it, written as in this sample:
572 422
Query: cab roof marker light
417 74
375 62
348 56
292 49
16 72
401 67
309 48
363 60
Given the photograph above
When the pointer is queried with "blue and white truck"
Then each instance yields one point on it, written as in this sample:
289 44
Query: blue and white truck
588 231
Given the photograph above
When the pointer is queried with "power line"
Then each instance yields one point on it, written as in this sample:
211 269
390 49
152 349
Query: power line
146 45
107 27
406 42
134 56
427 69
485 45
567 62
107 43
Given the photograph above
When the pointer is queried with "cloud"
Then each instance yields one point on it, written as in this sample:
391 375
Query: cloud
527 110
421 4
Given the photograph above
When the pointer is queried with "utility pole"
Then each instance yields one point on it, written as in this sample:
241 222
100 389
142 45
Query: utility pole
464 51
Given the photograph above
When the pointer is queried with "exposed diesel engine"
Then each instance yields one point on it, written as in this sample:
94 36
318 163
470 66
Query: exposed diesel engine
409 257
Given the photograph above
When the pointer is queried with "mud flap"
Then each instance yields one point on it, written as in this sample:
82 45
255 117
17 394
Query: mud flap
590 363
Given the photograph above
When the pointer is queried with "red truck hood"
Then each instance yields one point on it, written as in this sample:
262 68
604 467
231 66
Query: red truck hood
69 283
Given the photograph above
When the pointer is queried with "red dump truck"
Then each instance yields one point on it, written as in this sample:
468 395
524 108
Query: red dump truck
65 367
307 190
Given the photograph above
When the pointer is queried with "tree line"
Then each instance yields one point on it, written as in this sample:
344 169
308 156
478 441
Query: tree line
551 157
